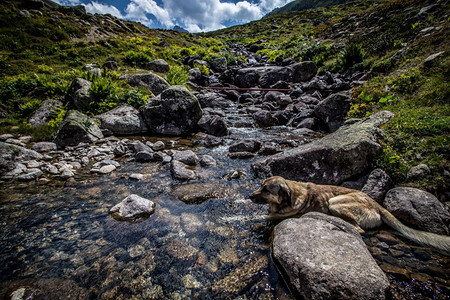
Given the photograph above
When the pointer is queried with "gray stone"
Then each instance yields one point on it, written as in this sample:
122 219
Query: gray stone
158 146
180 171
333 110
303 71
430 60
31 174
66 173
158 65
419 209
175 113
187 157
418 172
77 128
133 208
150 81
45 111
219 64
207 161
79 95
325 258
136 176
377 185
10 154
44 147
107 169
110 65
249 145
330 160
199 192
213 125
122 120
144 156
265 118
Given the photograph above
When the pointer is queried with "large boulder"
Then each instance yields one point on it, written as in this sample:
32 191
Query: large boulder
219 64
418 208
176 112
133 208
77 128
325 258
274 75
122 120
158 65
213 125
333 110
303 71
332 159
44 112
150 81
79 95
377 185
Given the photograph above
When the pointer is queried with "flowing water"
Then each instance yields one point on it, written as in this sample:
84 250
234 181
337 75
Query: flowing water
59 242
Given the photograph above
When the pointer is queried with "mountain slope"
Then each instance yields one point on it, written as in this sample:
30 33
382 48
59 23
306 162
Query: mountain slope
306 4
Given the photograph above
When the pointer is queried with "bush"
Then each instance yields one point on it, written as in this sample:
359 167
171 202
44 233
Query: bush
136 97
352 55
136 59
177 75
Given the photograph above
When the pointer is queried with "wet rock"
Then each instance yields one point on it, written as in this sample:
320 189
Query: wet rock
150 81
265 118
140 147
180 171
213 125
158 65
191 223
418 208
330 160
32 174
175 113
136 176
37 288
249 145
144 156
66 173
158 146
122 120
50 169
77 128
275 75
79 95
303 71
133 208
106 169
187 157
377 185
325 257
44 112
248 77
199 192
241 155
44 147
181 250
333 110
270 148
207 161
418 172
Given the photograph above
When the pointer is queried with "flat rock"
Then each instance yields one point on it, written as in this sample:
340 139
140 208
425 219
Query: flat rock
122 120
44 147
180 171
331 160
133 208
325 258
199 192
187 157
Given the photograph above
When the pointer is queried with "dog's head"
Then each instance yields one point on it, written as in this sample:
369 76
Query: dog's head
274 190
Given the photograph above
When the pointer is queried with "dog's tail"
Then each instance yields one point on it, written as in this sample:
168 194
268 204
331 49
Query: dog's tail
436 241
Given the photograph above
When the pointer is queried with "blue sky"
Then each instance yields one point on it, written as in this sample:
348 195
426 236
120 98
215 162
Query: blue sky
193 15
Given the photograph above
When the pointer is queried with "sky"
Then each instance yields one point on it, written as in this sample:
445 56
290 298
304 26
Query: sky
195 16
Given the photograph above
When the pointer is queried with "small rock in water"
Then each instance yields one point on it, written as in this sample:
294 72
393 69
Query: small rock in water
136 176
133 208
106 169
207 161
66 173
181 172
158 146
31 175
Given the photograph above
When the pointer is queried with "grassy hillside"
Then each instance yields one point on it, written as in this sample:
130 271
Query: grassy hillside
387 43
306 4
383 42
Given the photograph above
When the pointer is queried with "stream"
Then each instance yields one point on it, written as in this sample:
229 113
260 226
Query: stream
58 240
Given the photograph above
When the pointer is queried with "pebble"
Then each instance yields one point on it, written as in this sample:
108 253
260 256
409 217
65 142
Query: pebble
136 176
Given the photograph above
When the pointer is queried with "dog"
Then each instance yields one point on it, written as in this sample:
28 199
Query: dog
287 198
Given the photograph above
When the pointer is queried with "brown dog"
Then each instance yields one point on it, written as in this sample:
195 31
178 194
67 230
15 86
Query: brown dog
287 198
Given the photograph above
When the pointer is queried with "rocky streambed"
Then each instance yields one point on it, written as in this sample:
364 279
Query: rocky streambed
205 239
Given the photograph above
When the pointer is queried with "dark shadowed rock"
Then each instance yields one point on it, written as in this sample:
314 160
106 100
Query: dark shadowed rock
330 160
122 120
45 111
199 192
187 157
77 128
213 125
418 208
333 110
377 185
325 258
265 118
249 145
219 64
79 95
303 71
110 65
133 208
150 81
176 112
275 75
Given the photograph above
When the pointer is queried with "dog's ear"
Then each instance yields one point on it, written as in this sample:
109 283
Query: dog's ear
285 193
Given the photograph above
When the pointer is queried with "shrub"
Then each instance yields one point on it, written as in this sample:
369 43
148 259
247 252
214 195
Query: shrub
44 69
136 97
352 55
178 75
204 69
136 59
28 107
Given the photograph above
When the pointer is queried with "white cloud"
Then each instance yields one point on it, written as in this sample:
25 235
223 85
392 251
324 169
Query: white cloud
68 2
269 5
98 8
138 9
